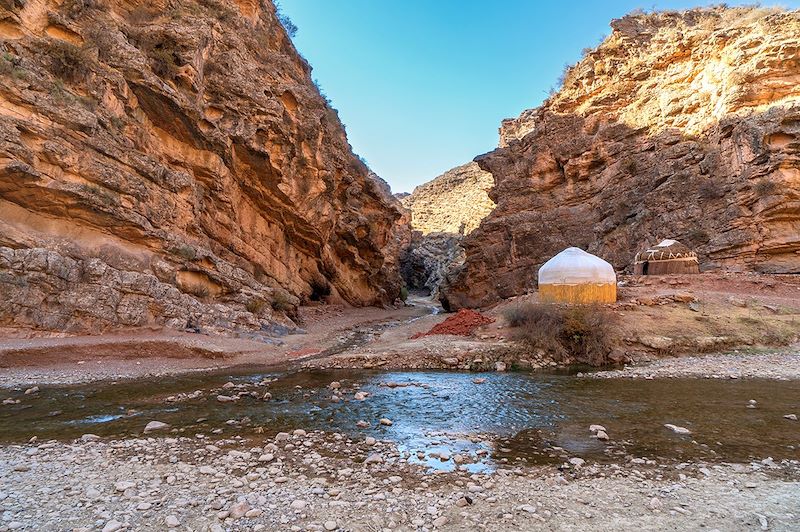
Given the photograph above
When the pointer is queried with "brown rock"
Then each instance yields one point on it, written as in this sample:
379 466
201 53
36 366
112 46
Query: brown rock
160 167
679 125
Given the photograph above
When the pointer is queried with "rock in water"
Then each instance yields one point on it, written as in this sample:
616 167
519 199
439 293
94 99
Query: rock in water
676 429
606 166
219 184
154 426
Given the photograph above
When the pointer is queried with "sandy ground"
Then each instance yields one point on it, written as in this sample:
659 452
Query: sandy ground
319 481
323 481
658 318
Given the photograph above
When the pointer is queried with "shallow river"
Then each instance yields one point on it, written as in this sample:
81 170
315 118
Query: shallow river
518 417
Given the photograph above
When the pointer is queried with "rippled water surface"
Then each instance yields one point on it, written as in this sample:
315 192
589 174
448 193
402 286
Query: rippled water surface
519 417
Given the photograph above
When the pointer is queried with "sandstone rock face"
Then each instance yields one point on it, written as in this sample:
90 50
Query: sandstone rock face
454 202
426 261
442 212
679 125
172 163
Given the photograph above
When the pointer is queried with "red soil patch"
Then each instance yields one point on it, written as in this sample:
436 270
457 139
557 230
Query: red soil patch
462 323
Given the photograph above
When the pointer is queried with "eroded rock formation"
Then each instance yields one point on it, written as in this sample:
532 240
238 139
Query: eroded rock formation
679 125
454 202
442 212
172 163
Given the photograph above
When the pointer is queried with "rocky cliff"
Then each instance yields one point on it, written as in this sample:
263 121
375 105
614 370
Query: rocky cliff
442 212
679 125
454 202
172 163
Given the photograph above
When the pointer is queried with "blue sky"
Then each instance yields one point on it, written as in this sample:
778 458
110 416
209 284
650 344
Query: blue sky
422 85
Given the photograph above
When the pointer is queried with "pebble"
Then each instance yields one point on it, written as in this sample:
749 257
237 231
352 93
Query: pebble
298 504
330 525
31 391
112 526
791 417
577 462
676 429
386 422
172 521
154 426
601 435
123 485
374 459
238 510
226 399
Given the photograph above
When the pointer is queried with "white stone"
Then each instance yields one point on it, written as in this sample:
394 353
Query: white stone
112 526
123 485
298 504
676 429
155 426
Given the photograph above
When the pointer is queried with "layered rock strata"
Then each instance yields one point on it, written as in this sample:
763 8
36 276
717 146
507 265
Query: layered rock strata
172 163
442 212
679 125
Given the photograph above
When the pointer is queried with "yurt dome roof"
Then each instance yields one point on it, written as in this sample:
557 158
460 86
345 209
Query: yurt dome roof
575 266
666 250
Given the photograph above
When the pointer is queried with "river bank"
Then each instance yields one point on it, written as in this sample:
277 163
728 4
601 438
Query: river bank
323 481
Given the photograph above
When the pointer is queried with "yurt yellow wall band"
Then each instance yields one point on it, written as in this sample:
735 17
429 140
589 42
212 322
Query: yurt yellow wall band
575 276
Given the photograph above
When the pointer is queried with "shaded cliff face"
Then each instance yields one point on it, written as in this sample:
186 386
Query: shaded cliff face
679 125
172 163
442 212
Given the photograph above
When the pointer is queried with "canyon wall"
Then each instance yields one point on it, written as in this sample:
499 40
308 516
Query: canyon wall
172 163
679 125
442 212
454 202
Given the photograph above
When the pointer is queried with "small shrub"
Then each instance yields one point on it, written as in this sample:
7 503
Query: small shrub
281 301
710 189
220 10
629 166
403 293
766 187
322 92
140 15
68 62
200 291
74 8
255 305
286 22
698 236
164 61
580 334
184 251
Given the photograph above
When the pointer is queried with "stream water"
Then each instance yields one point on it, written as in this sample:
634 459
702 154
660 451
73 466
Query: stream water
515 417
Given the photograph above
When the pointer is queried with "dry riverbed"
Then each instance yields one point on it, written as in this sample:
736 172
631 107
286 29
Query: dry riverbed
779 365
324 481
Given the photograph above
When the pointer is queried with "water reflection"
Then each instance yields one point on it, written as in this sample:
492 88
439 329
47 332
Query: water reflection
512 417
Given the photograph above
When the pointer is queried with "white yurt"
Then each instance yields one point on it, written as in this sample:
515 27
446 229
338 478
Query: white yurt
575 276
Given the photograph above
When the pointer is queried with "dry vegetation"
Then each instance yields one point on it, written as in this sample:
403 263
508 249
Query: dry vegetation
582 334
